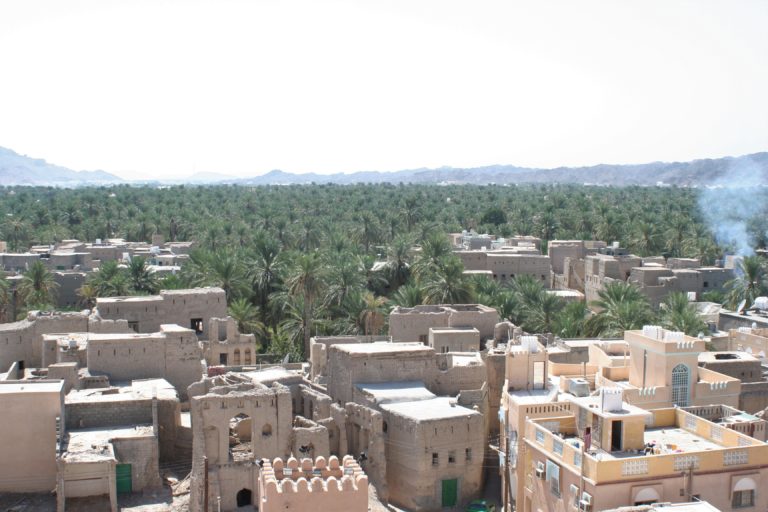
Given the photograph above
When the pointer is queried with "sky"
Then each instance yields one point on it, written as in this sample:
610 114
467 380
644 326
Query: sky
162 88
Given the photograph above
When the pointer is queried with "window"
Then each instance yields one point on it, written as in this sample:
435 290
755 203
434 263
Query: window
435 459
638 466
423 338
539 436
742 499
451 457
734 457
266 431
196 324
468 454
577 459
744 493
680 385
706 284
444 350
553 477
134 326
557 447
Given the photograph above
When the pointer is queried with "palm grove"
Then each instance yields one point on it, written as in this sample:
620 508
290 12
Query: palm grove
296 261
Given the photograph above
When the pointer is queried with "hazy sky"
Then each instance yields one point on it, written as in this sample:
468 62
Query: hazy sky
166 88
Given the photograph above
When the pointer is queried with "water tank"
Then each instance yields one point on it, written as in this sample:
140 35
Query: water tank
761 303
578 387
503 331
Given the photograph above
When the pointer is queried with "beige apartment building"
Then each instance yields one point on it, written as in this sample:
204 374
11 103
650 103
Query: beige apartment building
602 453
657 368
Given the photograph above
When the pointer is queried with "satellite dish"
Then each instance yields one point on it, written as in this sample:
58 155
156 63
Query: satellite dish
740 309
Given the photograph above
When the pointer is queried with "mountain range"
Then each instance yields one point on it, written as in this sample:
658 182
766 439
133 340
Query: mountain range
18 169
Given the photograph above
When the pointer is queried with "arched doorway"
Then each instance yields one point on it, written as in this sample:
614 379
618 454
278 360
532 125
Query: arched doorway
243 497
680 385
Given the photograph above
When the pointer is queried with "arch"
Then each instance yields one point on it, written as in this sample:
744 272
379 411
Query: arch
240 437
745 484
266 430
236 358
247 356
244 497
647 496
680 385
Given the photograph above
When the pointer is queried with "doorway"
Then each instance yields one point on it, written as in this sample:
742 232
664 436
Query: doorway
616 441
244 497
450 492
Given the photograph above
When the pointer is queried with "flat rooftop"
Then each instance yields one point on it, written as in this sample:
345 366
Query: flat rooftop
31 386
670 440
384 348
720 357
465 359
454 329
593 404
438 408
395 392
276 374
94 444
137 298
135 390
537 396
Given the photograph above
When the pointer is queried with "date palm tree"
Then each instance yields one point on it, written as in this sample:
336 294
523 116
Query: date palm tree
37 286
621 307
247 317
409 295
306 279
750 282
678 314
373 314
142 279
448 284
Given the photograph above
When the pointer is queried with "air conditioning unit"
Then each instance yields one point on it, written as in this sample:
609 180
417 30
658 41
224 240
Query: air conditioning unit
585 505
540 473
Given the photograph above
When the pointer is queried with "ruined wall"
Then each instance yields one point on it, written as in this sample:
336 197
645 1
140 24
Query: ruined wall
174 355
142 454
178 307
23 340
310 436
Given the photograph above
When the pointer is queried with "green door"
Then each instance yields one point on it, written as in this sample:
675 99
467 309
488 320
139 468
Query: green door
450 488
123 477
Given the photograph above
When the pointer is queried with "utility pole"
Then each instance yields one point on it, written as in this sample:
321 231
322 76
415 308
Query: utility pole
205 483
507 493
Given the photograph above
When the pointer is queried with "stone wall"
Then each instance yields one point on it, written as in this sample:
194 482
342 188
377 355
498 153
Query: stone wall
191 308
23 340
142 454
173 354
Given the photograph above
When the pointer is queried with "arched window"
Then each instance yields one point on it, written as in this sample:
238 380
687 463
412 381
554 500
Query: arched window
266 431
680 385
647 496
744 493
236 359
247 356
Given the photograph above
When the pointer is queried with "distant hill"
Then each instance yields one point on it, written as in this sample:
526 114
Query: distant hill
727 171
18 169
751 169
